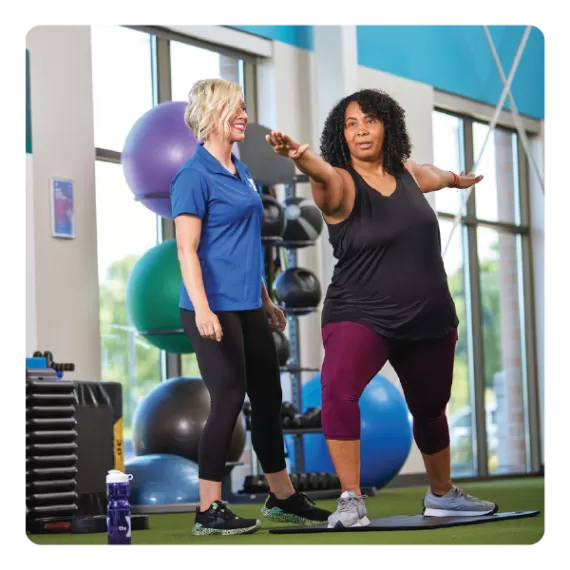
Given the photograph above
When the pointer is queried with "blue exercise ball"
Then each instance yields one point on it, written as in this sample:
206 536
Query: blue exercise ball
162 479
385 432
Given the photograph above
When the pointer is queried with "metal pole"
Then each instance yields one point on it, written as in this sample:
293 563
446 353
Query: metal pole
492 126
295 359
516 116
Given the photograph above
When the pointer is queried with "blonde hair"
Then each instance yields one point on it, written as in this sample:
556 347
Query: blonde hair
211 102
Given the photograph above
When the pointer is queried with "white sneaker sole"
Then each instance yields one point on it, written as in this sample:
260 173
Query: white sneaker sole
364 521
444 513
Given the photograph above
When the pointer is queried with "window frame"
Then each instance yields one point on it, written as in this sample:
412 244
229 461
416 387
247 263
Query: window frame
159 59
470 112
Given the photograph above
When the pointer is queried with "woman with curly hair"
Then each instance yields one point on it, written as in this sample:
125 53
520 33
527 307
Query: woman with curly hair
389 298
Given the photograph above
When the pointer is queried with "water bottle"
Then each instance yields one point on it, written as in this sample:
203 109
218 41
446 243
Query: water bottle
118 508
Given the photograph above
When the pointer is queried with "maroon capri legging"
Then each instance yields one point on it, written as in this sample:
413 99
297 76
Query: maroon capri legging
354 354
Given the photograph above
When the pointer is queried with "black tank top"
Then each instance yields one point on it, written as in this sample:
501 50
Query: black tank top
390 274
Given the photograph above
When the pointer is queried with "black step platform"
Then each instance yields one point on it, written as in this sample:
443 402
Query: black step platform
409 522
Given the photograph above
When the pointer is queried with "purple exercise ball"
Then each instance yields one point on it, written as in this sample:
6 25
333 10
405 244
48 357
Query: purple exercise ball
157 146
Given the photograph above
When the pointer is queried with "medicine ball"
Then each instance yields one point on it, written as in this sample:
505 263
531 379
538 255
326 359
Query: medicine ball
282 346
297 288
273 220
304 222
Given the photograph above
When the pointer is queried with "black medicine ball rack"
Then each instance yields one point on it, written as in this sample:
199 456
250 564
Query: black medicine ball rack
293 367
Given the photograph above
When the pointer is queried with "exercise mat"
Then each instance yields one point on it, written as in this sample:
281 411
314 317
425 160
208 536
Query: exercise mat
409 522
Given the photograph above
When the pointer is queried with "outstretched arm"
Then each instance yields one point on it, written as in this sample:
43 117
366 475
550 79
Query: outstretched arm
326 182
430 178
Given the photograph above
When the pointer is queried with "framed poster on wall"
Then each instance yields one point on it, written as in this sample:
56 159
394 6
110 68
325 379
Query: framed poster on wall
62 209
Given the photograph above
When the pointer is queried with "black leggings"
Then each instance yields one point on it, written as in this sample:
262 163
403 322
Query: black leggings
244 361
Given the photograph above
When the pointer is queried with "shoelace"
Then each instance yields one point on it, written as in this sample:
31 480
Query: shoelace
345 503
461 493
224 512
305 499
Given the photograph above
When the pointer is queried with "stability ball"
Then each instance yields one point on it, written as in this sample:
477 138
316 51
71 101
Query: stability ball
158 144
153 293
171 417
304 221
385 436
297 288
163 479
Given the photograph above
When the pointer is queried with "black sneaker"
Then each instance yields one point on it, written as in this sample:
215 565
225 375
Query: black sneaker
297 509
218 519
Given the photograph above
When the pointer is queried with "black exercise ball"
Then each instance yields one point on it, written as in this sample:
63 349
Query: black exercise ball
304 222
297 288
171 417
273 220
282 346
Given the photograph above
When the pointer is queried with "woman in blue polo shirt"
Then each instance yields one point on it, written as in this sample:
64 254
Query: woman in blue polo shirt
226 310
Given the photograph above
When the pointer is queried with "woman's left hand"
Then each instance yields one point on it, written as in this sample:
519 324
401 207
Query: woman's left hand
275 315
467 180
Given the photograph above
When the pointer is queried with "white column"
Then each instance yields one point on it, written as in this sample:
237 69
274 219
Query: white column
334 76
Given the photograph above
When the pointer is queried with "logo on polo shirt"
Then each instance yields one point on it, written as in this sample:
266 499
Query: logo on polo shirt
252 184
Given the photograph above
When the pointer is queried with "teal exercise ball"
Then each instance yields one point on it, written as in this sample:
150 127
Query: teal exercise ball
385 432
153 293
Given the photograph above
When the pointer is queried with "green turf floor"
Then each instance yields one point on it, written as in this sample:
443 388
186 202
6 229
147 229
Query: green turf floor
524 494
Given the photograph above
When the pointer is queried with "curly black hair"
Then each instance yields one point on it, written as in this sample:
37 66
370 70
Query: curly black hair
397 147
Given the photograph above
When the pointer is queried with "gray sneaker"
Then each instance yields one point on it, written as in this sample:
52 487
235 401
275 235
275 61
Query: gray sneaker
350 511
456 503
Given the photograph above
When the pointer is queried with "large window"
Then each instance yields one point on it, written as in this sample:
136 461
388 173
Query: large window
133 70
488 414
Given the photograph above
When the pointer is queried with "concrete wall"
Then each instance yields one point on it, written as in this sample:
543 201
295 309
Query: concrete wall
65 271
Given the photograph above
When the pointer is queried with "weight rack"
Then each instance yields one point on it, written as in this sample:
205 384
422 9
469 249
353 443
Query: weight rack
51 498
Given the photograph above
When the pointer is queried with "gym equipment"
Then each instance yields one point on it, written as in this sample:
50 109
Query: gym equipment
157 146
51 452
386 434
297 288
312 418
291 418
282 346
99 415
409 522
153 294
163 479
74 436
273 219
304 222
59 367
266 167
303 482
171 417
98 524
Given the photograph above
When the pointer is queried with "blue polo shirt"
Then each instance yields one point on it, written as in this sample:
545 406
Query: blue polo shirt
230 243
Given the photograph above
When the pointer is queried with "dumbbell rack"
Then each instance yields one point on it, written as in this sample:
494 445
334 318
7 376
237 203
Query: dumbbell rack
293 368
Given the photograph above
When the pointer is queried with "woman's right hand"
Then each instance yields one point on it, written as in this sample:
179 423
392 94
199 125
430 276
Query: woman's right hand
208 325
285 146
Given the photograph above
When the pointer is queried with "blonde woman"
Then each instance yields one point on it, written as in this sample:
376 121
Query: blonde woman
226 310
